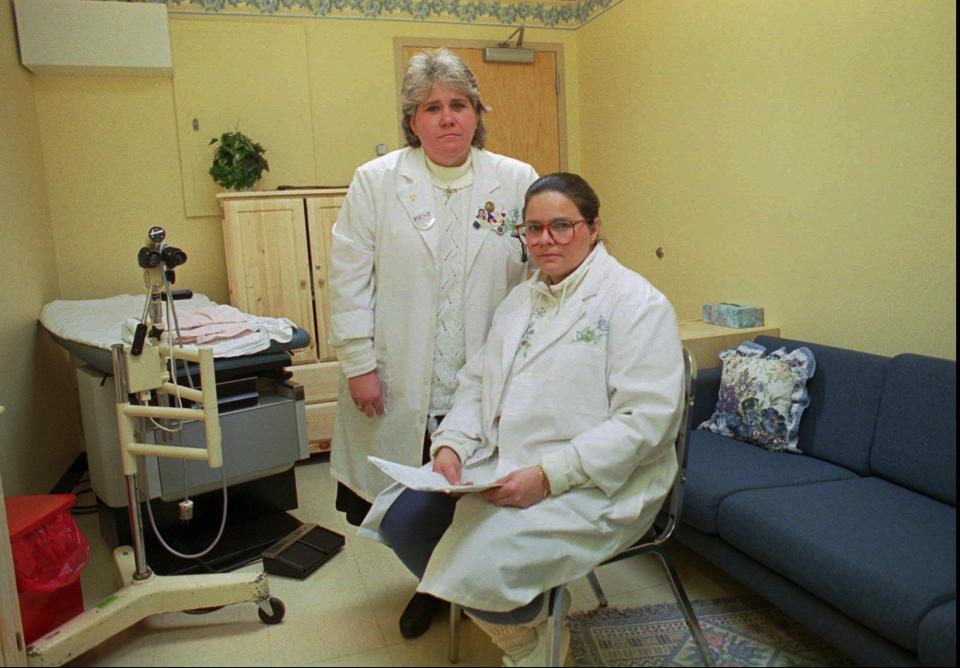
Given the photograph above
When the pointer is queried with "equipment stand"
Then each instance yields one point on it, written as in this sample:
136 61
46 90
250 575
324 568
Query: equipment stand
144 593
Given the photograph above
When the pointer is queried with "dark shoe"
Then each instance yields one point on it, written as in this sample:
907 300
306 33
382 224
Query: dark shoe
418 615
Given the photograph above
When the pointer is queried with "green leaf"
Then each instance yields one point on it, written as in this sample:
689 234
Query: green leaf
238 162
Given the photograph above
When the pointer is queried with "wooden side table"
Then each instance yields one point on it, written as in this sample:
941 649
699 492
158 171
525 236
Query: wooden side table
706 341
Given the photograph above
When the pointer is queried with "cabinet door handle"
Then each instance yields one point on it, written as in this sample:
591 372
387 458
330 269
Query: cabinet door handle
303 283
319 282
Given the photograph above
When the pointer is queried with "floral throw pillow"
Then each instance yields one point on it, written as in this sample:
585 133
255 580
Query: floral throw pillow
762 396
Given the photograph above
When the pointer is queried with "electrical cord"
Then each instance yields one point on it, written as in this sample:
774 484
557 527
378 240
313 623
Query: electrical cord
171 313
167 547
173 362
172 317
82 509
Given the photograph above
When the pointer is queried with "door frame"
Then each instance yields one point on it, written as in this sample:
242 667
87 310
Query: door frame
436 42
12 650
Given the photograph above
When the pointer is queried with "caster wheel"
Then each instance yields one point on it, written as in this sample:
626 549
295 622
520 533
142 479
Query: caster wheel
277 609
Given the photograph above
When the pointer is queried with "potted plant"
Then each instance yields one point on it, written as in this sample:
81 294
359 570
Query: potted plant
238 161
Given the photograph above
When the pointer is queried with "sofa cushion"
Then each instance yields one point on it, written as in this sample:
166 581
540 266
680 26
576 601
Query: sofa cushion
916 440
881 553
938 636
718 467
839 423
762 395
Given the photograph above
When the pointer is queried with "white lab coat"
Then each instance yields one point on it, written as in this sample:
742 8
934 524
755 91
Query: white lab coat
383 285
605 377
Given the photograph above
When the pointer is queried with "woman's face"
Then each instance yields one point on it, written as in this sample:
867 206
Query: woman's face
558 260
445 122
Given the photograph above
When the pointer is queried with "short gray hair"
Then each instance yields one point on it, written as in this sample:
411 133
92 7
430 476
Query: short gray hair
429 68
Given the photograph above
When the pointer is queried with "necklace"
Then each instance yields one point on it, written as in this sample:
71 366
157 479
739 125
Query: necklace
450 191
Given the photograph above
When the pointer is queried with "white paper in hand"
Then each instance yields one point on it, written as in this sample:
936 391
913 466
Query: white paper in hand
424 480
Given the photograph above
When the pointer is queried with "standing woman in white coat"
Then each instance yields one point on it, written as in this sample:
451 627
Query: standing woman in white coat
422 254
573 404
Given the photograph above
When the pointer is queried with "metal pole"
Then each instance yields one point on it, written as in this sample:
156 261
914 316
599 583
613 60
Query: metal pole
133 492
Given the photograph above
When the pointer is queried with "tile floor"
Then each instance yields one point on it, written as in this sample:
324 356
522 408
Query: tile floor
346 612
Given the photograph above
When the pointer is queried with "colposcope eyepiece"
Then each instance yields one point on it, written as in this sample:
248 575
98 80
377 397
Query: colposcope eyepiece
173 257
155 254
147 258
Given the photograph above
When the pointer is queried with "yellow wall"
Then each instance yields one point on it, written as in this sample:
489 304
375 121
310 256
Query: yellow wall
800 156
113 159
113 171
38 431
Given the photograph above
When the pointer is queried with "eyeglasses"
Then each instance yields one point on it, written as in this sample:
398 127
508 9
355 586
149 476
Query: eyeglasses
560 230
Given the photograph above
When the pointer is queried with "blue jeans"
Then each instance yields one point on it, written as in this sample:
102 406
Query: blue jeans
413 526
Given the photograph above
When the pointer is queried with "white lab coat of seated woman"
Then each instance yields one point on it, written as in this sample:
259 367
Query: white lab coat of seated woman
598 393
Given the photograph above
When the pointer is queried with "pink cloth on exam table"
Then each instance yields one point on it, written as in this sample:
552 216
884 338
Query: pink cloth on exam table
212 323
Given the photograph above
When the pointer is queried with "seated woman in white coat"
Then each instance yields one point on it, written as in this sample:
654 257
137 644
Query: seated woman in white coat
573 404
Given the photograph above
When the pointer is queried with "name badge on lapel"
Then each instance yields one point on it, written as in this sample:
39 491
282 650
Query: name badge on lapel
424 221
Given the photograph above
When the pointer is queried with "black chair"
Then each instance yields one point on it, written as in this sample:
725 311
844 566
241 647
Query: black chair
654 542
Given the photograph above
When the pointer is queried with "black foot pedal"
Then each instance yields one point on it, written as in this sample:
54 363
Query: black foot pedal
303 551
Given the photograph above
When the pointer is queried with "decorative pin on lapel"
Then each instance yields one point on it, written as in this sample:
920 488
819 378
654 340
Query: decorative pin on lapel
489 207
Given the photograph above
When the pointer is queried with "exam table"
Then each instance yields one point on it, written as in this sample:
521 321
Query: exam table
264 434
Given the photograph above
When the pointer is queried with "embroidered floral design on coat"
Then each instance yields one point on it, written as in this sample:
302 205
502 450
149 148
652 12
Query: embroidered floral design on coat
593 333
525 341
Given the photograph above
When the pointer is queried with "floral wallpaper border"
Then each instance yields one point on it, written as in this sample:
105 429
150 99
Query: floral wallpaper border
532 13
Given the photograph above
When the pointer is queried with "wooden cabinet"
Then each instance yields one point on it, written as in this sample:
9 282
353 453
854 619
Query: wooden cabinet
705 341
277 250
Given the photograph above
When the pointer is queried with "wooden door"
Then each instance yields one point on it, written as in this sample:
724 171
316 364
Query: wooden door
525 121
321 215
268 266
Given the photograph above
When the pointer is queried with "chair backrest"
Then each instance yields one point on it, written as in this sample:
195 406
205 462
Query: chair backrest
670 515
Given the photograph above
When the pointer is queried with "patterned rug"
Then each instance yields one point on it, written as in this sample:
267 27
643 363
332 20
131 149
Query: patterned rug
739 632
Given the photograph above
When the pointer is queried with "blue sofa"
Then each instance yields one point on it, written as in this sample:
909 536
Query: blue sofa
857 537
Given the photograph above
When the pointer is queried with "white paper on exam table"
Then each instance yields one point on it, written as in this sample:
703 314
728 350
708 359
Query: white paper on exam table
424 480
